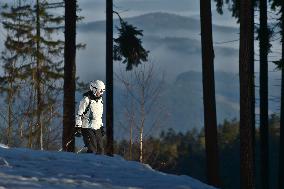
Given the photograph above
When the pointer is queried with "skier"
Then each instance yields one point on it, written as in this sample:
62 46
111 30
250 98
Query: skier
89 118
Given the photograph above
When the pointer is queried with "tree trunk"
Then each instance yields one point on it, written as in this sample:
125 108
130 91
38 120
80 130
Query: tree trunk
141 145
246 85
30 141
38 79
130 141
68 140
9 129
210 120
253 87
263 93
109 76
281 151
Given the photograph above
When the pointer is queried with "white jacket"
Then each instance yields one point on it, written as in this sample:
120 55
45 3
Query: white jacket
90 117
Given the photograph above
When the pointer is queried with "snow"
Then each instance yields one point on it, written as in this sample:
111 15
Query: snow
22 168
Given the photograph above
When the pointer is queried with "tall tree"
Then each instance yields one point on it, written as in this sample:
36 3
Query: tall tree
234 7
10 80
281 151
263 93
279 6
246 85
38 55
281 156
109 76
38 86
68 142
209 101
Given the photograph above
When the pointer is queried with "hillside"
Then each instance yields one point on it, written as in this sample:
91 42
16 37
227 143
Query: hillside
23 168
182 101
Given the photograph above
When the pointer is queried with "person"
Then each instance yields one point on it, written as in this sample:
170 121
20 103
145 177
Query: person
89 122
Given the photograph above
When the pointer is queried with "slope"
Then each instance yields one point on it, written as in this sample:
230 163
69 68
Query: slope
23 168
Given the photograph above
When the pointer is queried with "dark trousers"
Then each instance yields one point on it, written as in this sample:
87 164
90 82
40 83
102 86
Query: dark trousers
93 140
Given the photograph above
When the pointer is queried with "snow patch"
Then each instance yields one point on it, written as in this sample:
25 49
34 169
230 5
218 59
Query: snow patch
25 168
3 146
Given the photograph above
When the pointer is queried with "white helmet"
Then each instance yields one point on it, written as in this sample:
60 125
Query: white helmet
97 85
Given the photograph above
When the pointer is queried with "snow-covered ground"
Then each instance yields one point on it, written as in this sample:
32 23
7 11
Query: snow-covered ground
22 168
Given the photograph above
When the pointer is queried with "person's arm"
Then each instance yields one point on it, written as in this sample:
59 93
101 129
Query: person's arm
82 108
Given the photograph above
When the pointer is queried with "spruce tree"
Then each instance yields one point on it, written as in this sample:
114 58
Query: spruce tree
209 100
246 85
279 6
39 53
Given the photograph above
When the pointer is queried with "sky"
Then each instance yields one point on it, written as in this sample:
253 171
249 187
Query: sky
24 168
94 55
94 10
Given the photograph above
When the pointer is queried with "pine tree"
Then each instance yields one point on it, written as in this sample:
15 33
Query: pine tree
209 101
38 53
109 77
234 8
128 46
68 143
246 85
279 6
263 93
10 80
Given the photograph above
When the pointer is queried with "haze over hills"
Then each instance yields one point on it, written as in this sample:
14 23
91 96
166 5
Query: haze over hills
175 49
173 42
159 21
182 101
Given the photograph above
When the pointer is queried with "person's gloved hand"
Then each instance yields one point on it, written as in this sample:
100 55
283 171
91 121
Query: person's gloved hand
78 132
102 131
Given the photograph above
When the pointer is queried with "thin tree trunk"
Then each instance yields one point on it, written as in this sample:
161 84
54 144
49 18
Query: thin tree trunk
38 77
142 112
68 139
30 122
253 88
141 145
130 142
9 129
263 93
109 76
30 142
281 151
246 84
210 120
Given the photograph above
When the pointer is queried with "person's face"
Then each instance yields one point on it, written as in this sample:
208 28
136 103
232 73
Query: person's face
99 92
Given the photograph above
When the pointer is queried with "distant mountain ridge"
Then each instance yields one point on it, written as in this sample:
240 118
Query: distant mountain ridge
157 21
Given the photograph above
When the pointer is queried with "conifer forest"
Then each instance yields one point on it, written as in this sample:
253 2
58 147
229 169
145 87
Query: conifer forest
192 87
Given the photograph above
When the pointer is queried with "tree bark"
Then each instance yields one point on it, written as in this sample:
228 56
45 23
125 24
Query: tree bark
281 151
263 93
141 145
68 141
209 101
246 85
10 127
109 76
253 87
38 79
